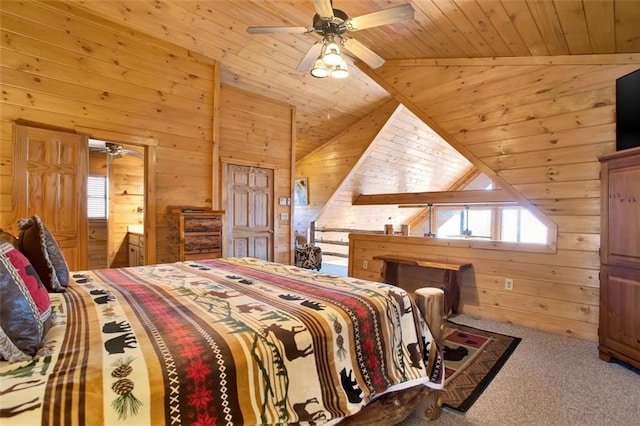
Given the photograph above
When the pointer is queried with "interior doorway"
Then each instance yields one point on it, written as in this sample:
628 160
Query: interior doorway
115 204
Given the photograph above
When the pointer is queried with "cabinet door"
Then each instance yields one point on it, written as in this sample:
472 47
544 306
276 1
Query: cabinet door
624 213
621 212
620 313
133 255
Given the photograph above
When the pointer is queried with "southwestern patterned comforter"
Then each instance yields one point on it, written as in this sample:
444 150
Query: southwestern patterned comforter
218 342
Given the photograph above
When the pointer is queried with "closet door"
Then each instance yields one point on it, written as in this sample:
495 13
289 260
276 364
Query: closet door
50 180
250 211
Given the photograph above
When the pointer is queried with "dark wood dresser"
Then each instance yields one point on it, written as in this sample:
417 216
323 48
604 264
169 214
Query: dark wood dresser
195 234
619 330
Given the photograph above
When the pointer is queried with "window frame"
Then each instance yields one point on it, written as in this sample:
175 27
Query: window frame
496 222
105 198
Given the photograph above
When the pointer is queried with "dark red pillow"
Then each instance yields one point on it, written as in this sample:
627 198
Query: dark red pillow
37 290
24 319
36 242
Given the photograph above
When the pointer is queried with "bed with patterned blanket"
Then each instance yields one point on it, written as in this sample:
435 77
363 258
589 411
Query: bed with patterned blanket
234 341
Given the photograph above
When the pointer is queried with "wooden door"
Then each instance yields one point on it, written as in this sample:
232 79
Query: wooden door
250 211
50 180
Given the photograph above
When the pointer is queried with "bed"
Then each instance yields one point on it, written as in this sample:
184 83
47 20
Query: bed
235 341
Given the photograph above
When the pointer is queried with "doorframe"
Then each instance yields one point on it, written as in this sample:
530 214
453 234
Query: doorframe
150 144
224 199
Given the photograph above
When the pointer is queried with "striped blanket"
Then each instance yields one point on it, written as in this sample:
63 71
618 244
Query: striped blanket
231 341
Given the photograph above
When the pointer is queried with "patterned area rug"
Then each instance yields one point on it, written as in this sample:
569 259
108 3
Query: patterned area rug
472 357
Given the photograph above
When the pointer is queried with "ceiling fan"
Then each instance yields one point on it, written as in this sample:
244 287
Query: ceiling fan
323 58
113 149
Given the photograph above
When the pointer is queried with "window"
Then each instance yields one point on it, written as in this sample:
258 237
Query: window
463 222
499 222
518 225
97 197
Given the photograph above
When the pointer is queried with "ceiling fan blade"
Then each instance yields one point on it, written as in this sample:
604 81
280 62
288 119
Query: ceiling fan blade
324 9
362 52
310 58
271 30
381 17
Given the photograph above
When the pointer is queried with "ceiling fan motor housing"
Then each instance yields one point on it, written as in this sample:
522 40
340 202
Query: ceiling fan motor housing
333 26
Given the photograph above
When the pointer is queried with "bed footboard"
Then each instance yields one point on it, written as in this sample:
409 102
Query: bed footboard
430 301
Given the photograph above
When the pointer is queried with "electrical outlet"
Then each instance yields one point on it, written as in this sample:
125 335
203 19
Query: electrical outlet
508 283
365 264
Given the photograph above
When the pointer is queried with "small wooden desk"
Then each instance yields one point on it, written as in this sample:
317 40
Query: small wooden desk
392 264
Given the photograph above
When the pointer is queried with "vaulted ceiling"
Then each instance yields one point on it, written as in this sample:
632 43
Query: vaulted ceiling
463 29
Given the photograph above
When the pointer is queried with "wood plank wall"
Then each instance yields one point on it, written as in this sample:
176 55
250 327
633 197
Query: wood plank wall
97 250
126 204
328 166
406 156
63 67
537 129
259 131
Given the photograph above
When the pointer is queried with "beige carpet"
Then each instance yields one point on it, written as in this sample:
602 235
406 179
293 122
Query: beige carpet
549 380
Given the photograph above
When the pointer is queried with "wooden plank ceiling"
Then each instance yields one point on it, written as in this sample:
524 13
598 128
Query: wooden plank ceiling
406 156
463 29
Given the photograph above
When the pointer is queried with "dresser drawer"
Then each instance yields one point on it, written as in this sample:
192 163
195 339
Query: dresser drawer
134 239
200 256
202 224
200 243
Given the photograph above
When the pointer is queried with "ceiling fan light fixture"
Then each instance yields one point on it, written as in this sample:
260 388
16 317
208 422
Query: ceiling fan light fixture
333 24
331 52
320 69
340 70
115 149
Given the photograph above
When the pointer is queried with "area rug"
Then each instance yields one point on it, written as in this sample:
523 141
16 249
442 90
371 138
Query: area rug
472 358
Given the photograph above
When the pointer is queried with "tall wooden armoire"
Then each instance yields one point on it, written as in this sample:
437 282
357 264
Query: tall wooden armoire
619 330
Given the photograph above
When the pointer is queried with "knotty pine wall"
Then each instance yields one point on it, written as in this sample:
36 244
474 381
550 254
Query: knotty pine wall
97 250
537 126
126 204
258 131
65 68
328 166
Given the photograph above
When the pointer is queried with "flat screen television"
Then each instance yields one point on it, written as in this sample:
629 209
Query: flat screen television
628 111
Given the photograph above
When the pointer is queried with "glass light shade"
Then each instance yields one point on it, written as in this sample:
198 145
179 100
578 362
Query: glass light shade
320 69
340 70
331 53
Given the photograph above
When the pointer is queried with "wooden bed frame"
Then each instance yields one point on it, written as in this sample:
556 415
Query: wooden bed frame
394 407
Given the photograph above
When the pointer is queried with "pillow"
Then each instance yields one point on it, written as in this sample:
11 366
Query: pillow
30 277
23 321
42 250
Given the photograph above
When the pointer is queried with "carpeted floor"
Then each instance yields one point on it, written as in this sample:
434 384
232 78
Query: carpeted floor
334 265
549 380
